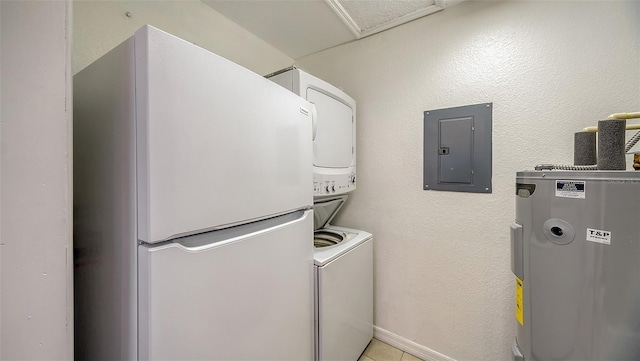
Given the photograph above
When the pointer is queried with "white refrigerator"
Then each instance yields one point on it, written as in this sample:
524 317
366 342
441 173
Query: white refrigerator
193 226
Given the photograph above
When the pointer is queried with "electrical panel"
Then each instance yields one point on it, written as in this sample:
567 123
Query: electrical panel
457 149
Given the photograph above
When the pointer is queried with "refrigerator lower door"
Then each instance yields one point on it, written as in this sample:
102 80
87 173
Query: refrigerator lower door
243 293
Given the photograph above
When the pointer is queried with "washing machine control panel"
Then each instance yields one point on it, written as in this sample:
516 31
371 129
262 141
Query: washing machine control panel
332 184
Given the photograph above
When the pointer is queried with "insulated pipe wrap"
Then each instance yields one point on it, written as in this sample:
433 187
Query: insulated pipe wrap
584 148
611 134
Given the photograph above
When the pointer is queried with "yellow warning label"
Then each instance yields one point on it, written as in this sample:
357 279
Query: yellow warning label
519 308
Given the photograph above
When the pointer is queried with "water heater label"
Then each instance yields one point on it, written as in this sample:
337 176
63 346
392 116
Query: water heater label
519 308
599 236
570 189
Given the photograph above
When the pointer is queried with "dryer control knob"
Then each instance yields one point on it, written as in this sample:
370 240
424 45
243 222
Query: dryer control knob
327 189
333 188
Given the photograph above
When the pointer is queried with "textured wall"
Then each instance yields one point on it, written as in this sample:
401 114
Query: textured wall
442 269
101 25
35 188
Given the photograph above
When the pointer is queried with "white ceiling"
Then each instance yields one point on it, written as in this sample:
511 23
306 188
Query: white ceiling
303 27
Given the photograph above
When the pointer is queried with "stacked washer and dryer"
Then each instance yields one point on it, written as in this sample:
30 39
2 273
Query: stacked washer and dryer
343 257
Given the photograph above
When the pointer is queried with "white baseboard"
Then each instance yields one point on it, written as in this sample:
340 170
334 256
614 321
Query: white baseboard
408 346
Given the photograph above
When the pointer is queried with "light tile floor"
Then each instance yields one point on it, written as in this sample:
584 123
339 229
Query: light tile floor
380 351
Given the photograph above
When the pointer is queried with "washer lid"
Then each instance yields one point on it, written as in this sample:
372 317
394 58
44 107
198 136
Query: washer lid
325 209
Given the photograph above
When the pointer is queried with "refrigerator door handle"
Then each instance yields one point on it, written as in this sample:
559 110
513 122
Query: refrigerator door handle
213 239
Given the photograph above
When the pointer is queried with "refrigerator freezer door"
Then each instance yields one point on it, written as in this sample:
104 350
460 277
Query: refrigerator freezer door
216 143
243 293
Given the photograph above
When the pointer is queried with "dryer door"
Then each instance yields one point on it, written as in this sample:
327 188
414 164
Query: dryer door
333 146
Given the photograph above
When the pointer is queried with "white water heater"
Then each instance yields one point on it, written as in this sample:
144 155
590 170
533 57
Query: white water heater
334 131
575 252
